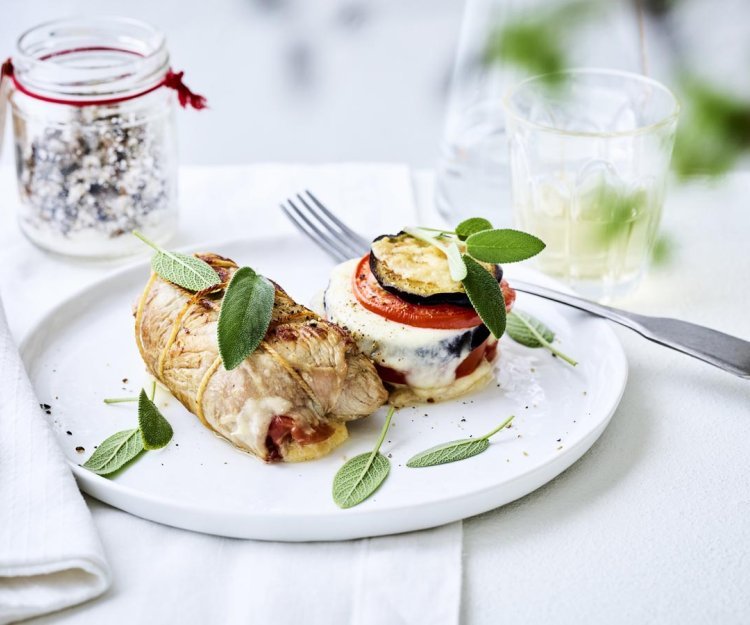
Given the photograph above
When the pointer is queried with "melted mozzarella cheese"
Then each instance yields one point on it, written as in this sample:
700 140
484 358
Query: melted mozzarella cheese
476 380
427 357
249 427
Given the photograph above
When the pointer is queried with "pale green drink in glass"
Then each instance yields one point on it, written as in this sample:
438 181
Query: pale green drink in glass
589 162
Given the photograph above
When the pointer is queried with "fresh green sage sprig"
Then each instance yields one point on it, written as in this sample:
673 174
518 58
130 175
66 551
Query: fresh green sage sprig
362 475
503 246
155 429
531 332
132 398
520 326
473 240
454 450
485 296
471 226
118 450
245 315
189 272
119 400
245 310
115 452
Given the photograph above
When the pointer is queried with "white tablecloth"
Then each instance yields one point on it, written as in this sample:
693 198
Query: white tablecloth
652 525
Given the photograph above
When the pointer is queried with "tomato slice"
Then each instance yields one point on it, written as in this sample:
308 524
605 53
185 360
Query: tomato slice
390 375
471 362
509 295
376 299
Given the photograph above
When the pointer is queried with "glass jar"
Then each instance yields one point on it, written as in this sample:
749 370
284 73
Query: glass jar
94 134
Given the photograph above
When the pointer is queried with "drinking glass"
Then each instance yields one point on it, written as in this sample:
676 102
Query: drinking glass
472 174
589 155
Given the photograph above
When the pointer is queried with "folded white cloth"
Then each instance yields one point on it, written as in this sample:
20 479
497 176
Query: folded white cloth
50 554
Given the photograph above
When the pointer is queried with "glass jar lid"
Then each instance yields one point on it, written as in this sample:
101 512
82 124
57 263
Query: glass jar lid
91 58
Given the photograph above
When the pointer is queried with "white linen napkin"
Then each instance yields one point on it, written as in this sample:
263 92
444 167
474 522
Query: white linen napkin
50 554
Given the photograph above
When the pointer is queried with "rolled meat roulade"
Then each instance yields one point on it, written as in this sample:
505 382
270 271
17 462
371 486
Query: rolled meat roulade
288 401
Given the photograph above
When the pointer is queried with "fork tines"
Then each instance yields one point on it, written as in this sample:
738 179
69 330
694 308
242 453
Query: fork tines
315 221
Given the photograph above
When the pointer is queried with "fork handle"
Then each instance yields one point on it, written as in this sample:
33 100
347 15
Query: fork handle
717 348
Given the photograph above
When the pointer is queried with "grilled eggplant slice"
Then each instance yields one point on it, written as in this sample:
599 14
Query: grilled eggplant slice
418 272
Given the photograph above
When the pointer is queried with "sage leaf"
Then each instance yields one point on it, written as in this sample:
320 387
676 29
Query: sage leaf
115 452
454 451
448 452
456 264
245 316
155 429
359 478
534 328
189 272
485 296
362 475
471 226
518 328
503 246
450 249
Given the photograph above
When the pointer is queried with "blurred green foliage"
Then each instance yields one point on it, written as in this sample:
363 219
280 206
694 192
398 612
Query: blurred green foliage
663 251
528 45
713 133
536 42
714 129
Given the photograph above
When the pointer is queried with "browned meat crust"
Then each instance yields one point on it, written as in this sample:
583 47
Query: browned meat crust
306 379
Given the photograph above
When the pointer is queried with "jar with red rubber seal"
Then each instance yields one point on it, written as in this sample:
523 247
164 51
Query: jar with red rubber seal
93 103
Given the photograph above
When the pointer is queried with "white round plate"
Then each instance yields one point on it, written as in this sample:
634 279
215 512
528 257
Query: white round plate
84 351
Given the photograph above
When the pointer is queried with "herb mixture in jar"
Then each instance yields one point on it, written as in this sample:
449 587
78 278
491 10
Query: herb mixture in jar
106 174
93 117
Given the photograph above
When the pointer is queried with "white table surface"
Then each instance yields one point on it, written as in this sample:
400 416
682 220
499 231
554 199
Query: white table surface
653 524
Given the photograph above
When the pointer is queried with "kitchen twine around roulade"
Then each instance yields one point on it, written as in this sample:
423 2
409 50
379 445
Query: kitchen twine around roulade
171 80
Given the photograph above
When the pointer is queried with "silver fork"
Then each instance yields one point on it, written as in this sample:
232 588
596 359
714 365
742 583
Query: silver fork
319 224
727 352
